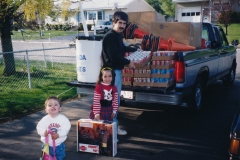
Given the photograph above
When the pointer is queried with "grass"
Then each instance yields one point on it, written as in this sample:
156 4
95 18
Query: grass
233 32
17 99
35 35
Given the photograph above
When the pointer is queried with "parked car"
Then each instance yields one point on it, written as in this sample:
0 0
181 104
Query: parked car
103 26
234 147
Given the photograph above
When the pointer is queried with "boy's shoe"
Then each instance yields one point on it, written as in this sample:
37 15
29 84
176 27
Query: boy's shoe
121 131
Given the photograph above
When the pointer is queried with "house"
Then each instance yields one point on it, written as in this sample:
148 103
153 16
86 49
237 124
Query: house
188 10
198 10
102 10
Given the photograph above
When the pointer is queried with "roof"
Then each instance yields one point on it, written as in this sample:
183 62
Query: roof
102 4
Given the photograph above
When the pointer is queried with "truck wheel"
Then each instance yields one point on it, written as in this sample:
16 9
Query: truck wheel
229 79
195 101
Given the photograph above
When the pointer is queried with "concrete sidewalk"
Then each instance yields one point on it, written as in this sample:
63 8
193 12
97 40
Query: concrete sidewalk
19 139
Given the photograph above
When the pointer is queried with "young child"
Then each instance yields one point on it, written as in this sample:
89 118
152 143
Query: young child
57 123
105 101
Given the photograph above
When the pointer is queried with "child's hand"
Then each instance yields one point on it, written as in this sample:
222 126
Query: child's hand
45 133
113 115
55 136
97 117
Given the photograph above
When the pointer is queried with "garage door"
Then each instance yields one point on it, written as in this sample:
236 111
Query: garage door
192 14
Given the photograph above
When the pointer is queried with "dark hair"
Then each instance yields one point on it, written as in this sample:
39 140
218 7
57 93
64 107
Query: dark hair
54 98
119 15
101 74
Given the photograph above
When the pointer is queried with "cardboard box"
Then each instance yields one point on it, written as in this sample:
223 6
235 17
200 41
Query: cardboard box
163 57
99 137
162 66
127 74
143 19
188 33
141 65
126 83
142 75
160 75
142 84
133 41
167 84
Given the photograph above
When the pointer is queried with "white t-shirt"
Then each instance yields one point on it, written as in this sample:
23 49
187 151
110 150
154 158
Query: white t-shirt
60 125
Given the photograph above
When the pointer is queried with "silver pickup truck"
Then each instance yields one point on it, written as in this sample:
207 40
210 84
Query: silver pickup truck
194 71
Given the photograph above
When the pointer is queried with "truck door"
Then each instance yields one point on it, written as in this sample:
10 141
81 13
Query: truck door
223 51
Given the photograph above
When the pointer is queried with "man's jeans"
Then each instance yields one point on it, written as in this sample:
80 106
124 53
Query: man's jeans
118 84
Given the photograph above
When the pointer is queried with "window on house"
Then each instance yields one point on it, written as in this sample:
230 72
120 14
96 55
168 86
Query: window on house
188 13
197 13
183 14
192 13
100 15
110 17
91 15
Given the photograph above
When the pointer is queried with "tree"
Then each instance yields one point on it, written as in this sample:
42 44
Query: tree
156 5
168 7
221 11
11 10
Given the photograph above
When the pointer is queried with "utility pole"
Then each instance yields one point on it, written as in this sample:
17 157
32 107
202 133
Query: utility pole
210 11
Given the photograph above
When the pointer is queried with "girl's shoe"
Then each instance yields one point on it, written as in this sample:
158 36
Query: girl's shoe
121 131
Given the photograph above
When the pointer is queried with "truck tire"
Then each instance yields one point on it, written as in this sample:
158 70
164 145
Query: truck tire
229 79
195 101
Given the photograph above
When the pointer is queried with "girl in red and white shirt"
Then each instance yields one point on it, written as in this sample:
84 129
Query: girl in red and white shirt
105 101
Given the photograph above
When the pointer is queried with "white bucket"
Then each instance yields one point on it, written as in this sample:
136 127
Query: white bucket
88 54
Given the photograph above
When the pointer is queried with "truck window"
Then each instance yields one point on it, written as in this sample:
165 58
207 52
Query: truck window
223 36
205 33
217 33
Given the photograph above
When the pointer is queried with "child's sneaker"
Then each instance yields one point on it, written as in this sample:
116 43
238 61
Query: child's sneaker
121 132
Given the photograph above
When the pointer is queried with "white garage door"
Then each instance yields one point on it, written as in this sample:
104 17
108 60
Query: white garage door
192 14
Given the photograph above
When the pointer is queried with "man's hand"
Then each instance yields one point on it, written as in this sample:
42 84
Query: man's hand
55 136
131 65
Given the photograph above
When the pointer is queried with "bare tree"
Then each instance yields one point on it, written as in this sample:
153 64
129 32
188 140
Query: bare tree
220 11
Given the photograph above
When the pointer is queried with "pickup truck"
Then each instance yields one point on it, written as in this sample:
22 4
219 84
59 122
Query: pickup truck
194 71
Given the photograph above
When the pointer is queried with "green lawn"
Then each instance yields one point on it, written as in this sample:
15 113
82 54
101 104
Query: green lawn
233 32
16 97
34 35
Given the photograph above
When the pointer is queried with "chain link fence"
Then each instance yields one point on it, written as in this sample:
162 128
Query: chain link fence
35 64
33 71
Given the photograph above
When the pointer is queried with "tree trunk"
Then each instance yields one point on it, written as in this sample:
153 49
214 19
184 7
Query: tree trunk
226 29
6 42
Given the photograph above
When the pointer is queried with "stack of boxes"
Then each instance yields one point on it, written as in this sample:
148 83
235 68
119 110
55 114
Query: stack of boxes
158 74
141 74
162 68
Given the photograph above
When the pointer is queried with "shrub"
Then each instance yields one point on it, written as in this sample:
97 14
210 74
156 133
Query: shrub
80 28
89 27
60 26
